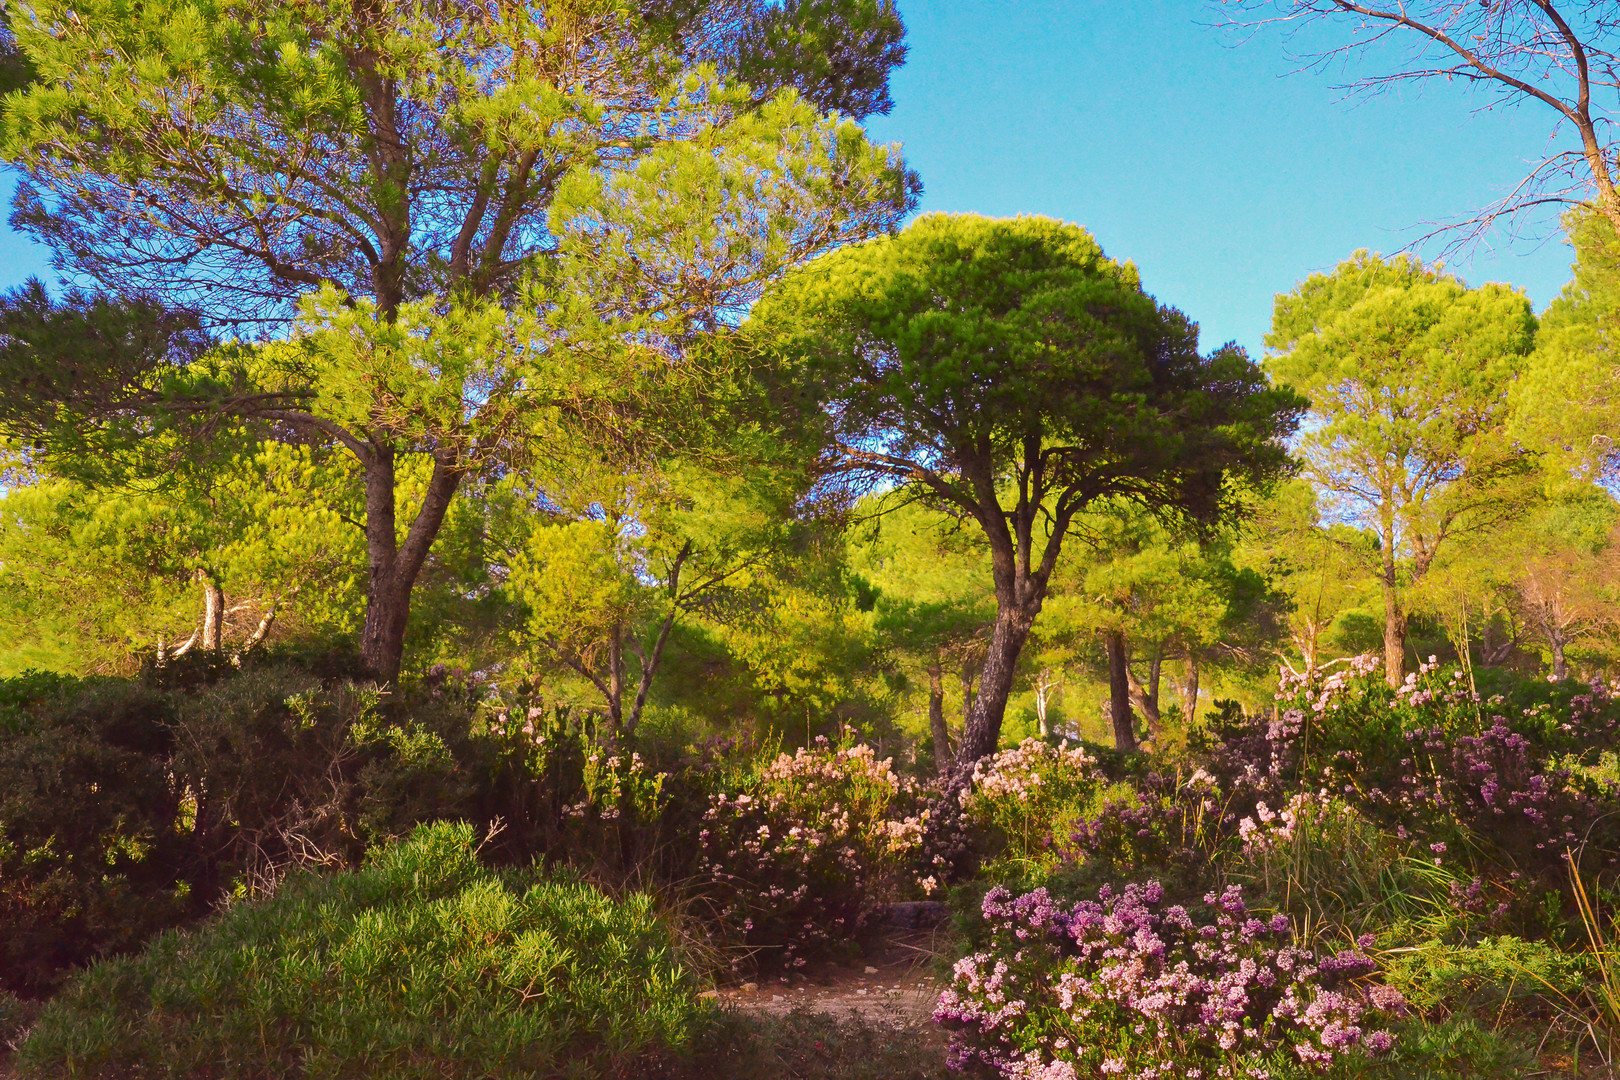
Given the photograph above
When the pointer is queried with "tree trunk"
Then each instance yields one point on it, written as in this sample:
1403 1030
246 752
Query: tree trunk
1394 617
967 689
1492 653
213 628
393 566
615 677
1044 684
1146 698
983 727
1119 692
1560 665
1394 639
936 718
1189 689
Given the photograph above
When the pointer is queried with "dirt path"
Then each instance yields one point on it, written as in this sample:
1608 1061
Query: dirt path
896 986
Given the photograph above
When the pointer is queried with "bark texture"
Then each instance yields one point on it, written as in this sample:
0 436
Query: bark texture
1119 692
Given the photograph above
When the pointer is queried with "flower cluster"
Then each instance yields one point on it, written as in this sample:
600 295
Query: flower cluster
1128 986
1016 774
1269 830
1492 784
1026 795
803 857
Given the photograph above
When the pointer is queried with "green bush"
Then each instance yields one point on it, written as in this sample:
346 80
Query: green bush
128 806
91 857
15 1017
423 964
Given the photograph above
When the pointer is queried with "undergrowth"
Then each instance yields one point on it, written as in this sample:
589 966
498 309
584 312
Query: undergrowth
423 964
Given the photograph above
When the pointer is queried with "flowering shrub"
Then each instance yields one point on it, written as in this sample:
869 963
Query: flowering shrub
1126 986
1168 821
1490 783
1493 792
802 859
1028 795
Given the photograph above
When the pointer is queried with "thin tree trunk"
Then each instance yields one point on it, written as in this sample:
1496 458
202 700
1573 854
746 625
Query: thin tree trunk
1145 698
967 689
1119 692
213 628
615 676
936 718
649 664
1394 617
1043 693
1394 639
1189 689
1560 671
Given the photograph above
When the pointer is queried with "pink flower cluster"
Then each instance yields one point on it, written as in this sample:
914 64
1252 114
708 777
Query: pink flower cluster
1126 985
803 858
1270 829
1021 774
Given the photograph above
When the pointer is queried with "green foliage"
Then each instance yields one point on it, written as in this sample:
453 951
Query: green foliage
131 805
421 962
1408 372
268 527
1455 1048
1565 403
512 278
1009 372
1503 977
90 855
838 52
966 329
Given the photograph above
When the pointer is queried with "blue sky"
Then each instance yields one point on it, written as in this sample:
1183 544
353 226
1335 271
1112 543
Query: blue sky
1223 176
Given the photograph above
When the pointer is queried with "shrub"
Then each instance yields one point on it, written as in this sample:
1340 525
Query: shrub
92 850
1172 824
1024 797
422 964
16 1015
1125 986
128 806
801 859
1501 979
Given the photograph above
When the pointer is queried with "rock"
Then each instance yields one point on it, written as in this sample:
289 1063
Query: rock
750 988
709 995
861 992
870 970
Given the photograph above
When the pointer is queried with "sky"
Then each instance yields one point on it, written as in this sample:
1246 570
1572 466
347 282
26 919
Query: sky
1224 174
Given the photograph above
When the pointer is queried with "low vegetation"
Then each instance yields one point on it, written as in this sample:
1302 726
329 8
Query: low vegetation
512 531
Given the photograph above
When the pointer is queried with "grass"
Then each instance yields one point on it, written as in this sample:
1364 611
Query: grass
423 964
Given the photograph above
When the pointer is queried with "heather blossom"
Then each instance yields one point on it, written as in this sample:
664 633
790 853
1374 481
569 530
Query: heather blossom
1131 986
804 858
